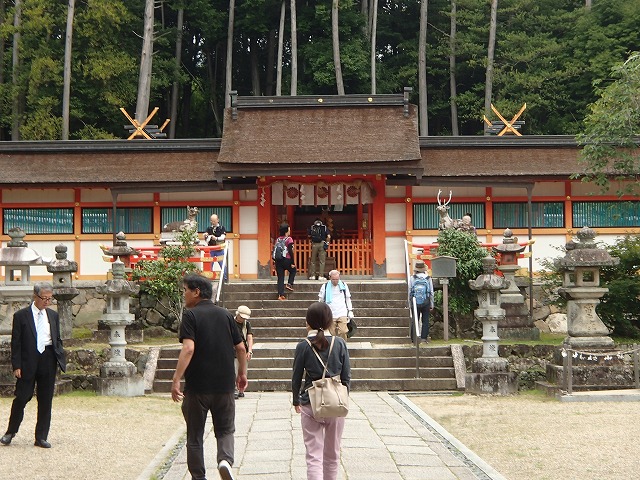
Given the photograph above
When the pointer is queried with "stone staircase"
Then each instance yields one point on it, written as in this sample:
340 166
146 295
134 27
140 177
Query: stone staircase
382 355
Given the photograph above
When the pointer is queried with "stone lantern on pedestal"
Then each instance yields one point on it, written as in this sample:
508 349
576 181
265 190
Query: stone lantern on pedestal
118 377
581 287
490 373
63 289
516 323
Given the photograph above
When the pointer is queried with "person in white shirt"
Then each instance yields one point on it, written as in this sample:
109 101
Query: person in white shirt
335 293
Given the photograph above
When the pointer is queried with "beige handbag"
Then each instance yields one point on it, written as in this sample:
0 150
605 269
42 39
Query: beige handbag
329 397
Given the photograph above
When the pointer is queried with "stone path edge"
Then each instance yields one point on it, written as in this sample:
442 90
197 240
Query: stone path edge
463 450
165 456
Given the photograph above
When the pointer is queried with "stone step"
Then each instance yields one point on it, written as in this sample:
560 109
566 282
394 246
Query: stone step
256 299
302 284
381 384
261 323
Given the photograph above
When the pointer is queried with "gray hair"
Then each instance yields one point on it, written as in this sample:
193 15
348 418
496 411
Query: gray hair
334 272
42 287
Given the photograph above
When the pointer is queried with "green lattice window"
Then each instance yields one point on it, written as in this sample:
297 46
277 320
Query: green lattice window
39 221
514 215
606 214
179 214
130 220
426 217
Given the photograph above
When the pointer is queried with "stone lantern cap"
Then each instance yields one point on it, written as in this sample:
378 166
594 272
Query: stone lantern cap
585 253
120 249
509 243
488 280
17 252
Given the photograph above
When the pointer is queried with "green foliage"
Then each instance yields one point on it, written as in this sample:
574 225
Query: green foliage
609 137
162 278
469 254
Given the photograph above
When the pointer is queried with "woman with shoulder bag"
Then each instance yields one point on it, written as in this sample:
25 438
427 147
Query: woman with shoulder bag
322 436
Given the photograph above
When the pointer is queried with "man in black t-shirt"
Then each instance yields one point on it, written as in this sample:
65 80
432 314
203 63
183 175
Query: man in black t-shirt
210 343
319 235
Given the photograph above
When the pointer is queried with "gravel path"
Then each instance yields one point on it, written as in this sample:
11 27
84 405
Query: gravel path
531 437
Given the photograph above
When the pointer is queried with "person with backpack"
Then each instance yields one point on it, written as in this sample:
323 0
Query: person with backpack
319 235
283 259
336 294
421 288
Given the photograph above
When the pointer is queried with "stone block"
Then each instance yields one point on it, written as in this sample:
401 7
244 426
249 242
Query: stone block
542 326
491 383
557 323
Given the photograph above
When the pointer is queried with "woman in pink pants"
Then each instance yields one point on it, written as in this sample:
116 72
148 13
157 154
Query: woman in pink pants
321 436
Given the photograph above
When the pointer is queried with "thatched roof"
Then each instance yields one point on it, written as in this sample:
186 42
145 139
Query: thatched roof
343 134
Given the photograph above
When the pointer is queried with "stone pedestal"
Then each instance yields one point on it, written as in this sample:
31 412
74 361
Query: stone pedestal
63 289
491 376
119 379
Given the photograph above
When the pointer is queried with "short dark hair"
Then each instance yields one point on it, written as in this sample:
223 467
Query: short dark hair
193 281
284 228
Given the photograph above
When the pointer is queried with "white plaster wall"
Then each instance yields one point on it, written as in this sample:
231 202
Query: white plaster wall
394 191
395 217
192 198
509 192
104 195
548 189
248 220
33 195
581 189
249 256
456 192
248 195
395 254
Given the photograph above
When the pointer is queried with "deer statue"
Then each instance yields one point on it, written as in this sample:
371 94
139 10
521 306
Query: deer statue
192 213
443 209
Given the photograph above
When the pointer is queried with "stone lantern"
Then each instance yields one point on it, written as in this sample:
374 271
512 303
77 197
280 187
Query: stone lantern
63 289
516 323
490 373
118 377
581 287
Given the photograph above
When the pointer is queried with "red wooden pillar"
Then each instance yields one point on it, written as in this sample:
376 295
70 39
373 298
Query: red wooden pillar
264 229
378 228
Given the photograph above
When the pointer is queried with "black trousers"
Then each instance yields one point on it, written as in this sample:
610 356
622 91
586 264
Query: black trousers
195 409
282 265
43 383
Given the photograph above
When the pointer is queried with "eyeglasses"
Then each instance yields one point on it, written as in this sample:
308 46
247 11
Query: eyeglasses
45 299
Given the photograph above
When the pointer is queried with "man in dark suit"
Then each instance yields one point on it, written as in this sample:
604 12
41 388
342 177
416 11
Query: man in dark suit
36 352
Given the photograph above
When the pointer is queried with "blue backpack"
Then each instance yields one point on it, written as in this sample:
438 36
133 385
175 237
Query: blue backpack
421 290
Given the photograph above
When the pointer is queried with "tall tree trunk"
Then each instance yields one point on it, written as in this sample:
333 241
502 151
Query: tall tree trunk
422 69
271 58
146 64
18 96
374 30
294 50
488 86
587 4
452 71
2 47
175 88
66 83
336 46
255 71
280 47
364 11
212 66
228 70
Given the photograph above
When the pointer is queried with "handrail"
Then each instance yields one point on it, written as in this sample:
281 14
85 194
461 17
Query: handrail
413 307
223 269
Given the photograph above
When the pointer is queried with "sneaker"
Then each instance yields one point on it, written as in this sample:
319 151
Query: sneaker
241 394
225 470
289 287
282 297
312 278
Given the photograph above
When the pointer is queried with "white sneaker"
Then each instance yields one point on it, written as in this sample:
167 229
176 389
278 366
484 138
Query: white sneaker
312 277
225 470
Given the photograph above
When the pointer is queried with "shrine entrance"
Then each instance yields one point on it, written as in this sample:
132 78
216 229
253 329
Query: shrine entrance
350 249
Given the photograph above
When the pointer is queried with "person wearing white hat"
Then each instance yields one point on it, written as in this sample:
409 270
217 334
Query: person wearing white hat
243 314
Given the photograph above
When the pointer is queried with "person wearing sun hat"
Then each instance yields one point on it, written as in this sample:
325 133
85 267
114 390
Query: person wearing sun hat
421 288
243 314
